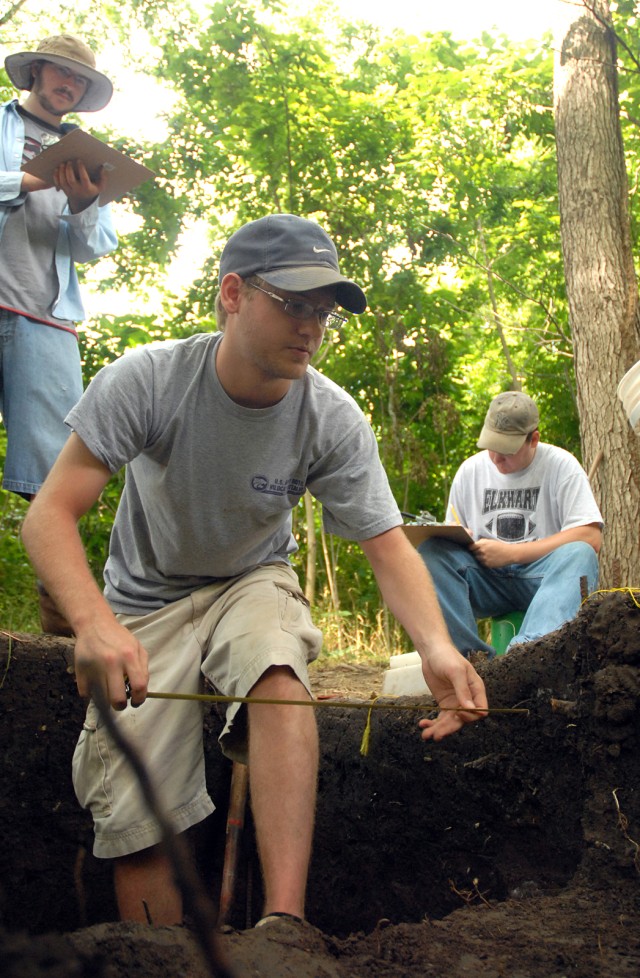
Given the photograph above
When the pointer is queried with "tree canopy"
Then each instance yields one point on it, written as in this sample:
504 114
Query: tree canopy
430 161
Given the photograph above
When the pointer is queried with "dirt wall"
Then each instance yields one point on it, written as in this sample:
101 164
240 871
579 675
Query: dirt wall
522 805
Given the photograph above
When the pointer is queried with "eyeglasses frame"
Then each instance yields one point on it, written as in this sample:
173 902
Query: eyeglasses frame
317 312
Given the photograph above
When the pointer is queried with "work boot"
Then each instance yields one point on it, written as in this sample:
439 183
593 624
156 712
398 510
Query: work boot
51 621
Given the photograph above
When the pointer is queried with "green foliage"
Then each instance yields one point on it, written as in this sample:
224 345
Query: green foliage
626 24
18 601
430 162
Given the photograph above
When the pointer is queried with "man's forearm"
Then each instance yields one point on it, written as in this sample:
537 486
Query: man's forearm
55 549
104 649
532 550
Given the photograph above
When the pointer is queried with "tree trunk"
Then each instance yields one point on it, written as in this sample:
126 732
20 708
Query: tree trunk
601 283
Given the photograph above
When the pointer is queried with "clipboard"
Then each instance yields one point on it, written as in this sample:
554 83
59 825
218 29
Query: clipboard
124 172
417 532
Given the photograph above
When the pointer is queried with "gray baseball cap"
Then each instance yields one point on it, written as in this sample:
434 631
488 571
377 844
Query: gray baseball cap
510 418
291 253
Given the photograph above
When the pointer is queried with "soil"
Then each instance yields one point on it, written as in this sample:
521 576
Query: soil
510 850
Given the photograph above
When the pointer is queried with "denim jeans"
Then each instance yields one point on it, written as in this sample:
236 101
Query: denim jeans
40 381
547 590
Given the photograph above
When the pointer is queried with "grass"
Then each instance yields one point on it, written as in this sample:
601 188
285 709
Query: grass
354 638
18 599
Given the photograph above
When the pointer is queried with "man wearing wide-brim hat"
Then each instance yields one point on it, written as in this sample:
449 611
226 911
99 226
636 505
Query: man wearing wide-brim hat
45 228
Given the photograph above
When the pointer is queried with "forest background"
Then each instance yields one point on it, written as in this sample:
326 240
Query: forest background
432 163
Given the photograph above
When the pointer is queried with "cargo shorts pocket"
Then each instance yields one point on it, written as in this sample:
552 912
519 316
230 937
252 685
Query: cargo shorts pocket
295 618
90 768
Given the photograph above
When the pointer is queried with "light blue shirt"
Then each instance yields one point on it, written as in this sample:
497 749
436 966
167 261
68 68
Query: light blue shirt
82 237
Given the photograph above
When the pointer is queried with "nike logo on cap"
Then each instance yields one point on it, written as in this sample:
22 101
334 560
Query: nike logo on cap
317 250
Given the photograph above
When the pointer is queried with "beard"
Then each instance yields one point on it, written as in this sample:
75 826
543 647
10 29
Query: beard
45 101
51 109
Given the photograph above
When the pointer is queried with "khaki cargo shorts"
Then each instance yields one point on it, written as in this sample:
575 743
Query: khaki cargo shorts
231 632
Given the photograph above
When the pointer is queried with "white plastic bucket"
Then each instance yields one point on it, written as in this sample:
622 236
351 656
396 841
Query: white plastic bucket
634 415
404 676
629 394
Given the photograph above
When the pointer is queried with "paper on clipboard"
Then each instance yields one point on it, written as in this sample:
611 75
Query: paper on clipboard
418 532
124 173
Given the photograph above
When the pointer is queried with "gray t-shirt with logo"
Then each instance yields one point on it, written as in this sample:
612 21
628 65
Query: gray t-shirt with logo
210 485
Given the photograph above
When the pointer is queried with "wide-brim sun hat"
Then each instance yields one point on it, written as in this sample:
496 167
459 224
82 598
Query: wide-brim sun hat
292 253
72 53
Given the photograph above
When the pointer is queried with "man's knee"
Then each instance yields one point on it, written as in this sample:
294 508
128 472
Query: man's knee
579 553
276 720
437 550
444 559
280 681
576 559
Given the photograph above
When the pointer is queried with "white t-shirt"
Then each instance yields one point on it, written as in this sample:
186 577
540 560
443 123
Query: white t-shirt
211 485
550 495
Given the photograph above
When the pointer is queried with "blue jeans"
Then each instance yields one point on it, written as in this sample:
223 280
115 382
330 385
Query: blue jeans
547 590
40 381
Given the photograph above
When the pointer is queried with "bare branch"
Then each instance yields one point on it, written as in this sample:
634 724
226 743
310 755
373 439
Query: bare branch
11 12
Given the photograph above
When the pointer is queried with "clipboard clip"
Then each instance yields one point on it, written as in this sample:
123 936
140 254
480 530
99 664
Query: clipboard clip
422 519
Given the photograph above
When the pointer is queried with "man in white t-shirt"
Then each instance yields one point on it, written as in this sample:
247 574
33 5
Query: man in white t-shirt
536 526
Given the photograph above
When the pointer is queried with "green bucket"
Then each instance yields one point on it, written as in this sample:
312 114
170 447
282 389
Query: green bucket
504 628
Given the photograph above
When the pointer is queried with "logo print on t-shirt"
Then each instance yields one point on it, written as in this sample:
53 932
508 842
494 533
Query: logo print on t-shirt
277 487
511 499
511 525
32 147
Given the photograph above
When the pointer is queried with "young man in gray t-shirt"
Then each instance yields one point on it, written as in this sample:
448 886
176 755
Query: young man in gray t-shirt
221 435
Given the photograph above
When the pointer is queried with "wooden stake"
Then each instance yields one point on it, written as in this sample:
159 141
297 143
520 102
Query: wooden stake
235 826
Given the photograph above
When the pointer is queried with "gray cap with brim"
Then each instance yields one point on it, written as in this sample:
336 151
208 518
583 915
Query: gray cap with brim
291 253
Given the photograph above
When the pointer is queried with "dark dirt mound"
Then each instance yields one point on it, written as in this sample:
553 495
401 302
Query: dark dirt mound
511 849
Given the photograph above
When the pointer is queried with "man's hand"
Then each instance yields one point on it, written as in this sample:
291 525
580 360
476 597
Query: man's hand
80 189
408 590
457 687
493 553
105 651
497 553
108 653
